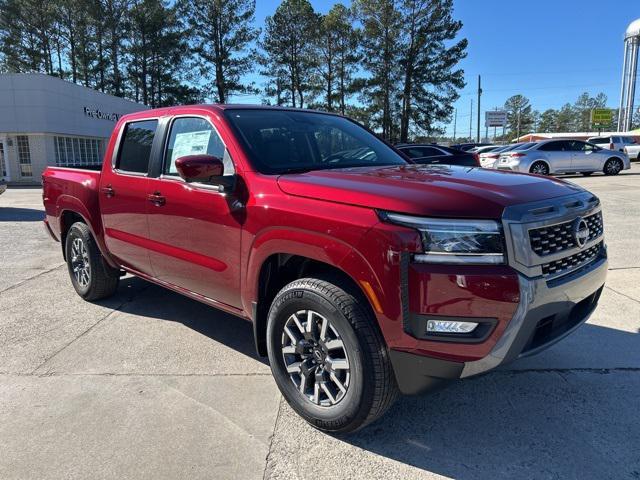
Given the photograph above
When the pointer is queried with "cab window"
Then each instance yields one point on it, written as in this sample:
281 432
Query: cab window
135 149
194 136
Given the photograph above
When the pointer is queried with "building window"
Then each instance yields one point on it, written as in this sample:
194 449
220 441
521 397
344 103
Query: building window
76 152
3 166
24 156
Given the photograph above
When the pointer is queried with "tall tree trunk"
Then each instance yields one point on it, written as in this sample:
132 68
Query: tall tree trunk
143 77
114 62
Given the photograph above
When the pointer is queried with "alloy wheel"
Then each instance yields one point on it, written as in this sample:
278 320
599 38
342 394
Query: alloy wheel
539 169
80 265
613 167
315 358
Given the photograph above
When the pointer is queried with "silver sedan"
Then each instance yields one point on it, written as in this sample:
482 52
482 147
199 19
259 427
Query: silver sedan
564 156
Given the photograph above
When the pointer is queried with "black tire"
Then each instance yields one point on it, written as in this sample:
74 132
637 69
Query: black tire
539 168
613 166
99 280
371 387
587 174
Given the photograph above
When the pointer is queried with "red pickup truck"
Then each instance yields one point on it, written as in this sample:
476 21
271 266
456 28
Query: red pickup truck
364 275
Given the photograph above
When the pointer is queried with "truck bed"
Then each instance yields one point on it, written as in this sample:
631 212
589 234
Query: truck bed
74 190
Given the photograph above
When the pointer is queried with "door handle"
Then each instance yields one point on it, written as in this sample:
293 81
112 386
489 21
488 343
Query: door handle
157 199
108 191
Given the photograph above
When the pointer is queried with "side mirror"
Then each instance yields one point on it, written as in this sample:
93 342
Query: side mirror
199 168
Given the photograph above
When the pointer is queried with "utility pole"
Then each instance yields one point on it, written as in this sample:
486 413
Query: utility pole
479 94
471 123
455 121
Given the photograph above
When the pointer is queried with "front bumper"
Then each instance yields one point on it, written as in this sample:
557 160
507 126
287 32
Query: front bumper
546 313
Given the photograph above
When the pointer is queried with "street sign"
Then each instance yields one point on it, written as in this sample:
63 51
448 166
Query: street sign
601 117
495 118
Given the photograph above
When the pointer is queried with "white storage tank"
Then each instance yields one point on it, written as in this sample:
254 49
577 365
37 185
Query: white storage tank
629 76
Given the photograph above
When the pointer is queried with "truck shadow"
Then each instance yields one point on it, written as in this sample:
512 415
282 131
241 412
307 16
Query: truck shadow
18 214
539 417
153 301
530 423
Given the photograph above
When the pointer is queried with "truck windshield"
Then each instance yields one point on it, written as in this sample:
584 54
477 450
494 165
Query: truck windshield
282 141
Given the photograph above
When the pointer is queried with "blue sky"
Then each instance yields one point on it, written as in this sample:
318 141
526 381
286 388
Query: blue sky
548 50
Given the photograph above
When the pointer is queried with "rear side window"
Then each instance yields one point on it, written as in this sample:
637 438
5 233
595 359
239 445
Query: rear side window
555 147
600 140
525 146
135 150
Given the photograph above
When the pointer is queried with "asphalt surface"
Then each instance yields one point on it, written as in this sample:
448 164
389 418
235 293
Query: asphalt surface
149 384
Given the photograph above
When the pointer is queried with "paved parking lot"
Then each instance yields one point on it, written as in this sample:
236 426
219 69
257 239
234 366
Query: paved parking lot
149 384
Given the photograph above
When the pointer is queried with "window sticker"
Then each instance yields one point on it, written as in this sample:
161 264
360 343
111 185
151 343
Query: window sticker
190 143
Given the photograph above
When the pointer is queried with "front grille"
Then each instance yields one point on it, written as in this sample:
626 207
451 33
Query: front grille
572 261
557 238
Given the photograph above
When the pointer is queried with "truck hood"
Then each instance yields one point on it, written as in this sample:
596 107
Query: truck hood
427 190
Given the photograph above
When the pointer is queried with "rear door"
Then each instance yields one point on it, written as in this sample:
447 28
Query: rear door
559 155
123 195
195 229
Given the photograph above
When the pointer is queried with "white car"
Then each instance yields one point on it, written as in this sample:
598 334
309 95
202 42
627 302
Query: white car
490 159
613 142
564 156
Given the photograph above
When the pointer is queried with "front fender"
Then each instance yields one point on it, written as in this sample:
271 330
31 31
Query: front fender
315 246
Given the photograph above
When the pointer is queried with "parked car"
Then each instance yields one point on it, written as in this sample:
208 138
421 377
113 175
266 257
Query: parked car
363 275
563 156
612 142
632 151
468 146
489 159
484 149
427 154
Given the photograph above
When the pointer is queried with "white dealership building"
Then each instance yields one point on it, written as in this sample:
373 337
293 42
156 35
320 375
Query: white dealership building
48 121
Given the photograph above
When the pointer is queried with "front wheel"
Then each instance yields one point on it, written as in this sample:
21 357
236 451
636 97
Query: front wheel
91 276
328 357
539 168
613 166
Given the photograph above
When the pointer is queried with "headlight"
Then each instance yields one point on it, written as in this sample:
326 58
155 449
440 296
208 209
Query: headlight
454 241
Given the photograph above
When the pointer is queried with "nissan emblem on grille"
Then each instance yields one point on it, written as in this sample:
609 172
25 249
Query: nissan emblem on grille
580 231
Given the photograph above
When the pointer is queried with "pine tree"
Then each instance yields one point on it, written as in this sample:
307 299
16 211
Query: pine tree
430 79
222 39
519 115
338 57
548 121
380 36
289 50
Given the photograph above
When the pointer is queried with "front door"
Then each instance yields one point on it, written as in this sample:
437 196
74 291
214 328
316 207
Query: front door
194 229
123 197
586 157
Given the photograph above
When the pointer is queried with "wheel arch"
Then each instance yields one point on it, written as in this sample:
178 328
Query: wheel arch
280 268
71 210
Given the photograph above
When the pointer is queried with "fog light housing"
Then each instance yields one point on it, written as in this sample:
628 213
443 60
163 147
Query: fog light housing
450 326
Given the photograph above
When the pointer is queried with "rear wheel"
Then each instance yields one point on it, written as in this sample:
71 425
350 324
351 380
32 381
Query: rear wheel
539 168
613 166
90 275
328 357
